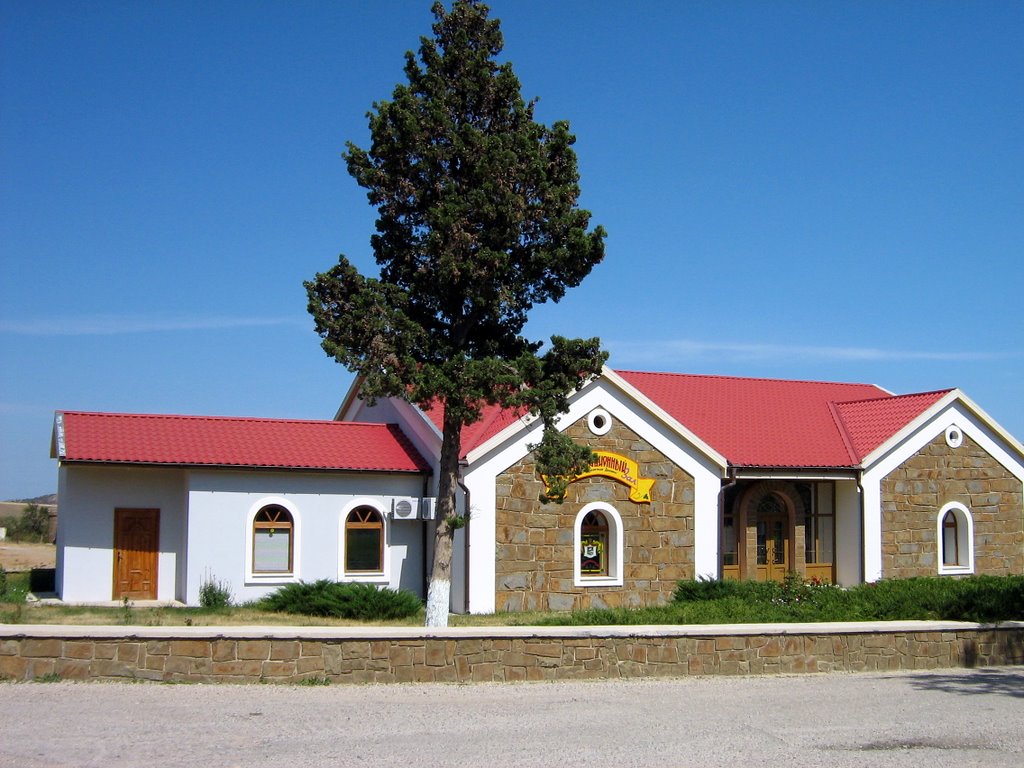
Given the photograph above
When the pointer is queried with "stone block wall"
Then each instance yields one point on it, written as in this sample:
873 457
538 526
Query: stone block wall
506 655
534 541
913 494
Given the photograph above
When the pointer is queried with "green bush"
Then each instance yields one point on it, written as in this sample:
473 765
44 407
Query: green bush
33 526
363 602
976 598
214 594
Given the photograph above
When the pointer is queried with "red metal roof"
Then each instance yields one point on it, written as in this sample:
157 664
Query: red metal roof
759 422
493 419
124 438
869 423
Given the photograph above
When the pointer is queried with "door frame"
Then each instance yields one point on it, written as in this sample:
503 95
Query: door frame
148 558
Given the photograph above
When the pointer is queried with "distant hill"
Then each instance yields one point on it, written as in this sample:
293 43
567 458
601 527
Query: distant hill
48 499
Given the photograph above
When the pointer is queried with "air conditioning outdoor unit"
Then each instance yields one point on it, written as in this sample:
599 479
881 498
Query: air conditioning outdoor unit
428 508
405 507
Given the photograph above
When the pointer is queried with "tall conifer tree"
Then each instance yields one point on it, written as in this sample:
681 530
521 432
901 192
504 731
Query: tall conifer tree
477 222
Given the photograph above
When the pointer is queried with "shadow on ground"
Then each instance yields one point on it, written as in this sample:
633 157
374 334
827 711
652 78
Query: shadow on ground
1002 681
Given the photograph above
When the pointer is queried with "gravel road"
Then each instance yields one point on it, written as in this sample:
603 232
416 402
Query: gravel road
946 718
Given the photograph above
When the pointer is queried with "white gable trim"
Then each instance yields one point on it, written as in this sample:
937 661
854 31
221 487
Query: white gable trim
493 458
952 410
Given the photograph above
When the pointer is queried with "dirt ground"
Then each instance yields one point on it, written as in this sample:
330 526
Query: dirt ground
25 557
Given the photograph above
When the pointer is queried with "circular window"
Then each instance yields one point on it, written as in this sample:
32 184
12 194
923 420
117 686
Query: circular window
954 437
599 421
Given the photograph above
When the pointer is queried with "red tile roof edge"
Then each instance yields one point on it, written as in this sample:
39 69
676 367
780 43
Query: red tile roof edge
416 463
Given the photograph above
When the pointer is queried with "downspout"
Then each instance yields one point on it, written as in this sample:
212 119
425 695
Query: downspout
466 517
730 481
863 549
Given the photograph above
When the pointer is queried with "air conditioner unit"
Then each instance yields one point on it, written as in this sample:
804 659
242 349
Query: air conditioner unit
405 507
428 508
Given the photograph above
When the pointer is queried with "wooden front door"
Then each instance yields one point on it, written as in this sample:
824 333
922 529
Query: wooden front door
772 547
136 543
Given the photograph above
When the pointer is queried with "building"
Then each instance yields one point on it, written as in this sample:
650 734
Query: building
696 476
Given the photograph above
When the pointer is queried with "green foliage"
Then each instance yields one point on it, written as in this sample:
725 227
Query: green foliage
363 602
977 598
14 587
478 222
33 526
214 594
314 681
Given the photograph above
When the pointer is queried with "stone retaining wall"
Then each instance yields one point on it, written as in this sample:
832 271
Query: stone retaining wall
289 655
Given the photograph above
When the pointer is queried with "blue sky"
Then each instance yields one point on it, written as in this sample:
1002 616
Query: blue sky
812 190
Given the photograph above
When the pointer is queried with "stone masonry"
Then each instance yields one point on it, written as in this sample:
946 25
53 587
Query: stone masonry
497 655
913 494
534 541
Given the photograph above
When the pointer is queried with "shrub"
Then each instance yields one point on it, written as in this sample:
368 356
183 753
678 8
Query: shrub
33 525
363 602
214 593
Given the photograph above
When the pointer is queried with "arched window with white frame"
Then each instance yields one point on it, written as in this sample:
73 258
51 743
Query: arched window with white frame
955 538
363 542
598 546
272 552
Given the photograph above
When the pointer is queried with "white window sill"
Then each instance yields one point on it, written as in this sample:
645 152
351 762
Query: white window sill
950 570
598 581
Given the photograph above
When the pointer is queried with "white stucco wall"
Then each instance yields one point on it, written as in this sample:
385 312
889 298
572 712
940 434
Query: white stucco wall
849 557
222 505
85 529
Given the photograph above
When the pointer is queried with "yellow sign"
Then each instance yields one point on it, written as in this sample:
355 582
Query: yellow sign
623 470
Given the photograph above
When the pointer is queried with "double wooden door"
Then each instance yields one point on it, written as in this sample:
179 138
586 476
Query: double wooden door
773 547
136 546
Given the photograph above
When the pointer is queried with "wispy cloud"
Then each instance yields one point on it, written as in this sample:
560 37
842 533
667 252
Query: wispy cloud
112 325
688 350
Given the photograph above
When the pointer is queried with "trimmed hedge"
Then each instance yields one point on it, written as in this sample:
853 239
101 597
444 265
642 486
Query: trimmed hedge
977 598
363 602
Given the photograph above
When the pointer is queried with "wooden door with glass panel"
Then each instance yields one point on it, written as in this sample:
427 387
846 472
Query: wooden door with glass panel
773 561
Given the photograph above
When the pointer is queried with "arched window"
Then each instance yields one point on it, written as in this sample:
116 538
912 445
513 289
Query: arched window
364 541
950 555
598 546
272 540
594 545
955 537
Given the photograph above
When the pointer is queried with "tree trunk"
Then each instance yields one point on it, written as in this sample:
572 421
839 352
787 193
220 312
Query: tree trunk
439 592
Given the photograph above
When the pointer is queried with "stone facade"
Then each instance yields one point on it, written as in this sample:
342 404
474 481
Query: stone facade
502 656
913 494
534 542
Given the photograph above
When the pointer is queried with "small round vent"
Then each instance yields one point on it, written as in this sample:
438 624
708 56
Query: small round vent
403 508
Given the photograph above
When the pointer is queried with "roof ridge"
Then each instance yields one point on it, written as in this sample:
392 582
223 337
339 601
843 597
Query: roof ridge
843 432
197 417
747 378
889 398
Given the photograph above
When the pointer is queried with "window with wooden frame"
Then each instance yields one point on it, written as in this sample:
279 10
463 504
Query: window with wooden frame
364 541
594 545
597 546
819 529
955 536
272 540
950 539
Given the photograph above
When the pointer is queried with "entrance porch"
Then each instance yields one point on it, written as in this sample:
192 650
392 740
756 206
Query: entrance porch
771 527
